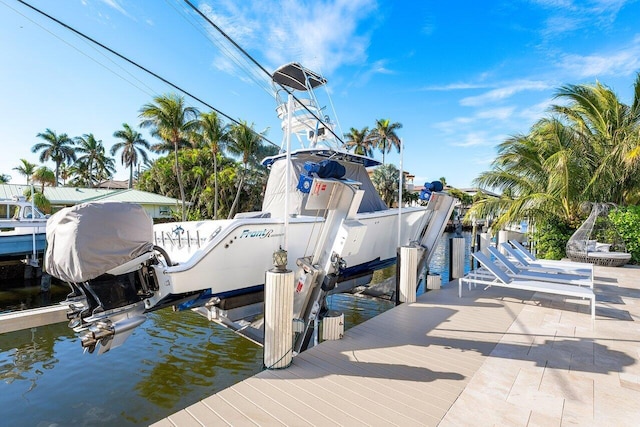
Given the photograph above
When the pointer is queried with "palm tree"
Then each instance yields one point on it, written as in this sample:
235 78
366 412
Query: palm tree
611 130
65 173
58 148
540 174
133 147
384 136
80 173
214 134
244 142
360 142
386 179
44 176
39 199
26 168
172 122
98 165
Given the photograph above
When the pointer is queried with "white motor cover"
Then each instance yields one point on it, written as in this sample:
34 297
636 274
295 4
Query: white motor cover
87 240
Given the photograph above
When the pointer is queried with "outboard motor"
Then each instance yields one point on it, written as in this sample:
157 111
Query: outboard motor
104 251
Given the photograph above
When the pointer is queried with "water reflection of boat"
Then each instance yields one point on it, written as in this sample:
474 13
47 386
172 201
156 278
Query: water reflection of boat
319 204
22 228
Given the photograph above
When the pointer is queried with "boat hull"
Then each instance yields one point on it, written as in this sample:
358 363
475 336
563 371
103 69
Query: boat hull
231 256
21 244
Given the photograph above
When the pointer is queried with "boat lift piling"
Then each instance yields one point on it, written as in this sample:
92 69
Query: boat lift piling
456 253
407 274
278 314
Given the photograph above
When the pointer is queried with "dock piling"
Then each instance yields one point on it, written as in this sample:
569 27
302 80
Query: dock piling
408 267
456 257
278 315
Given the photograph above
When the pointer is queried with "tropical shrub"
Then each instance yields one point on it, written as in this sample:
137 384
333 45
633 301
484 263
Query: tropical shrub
551 235
627 223
386 180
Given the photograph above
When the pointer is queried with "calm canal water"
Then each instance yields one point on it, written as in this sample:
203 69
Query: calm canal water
170 362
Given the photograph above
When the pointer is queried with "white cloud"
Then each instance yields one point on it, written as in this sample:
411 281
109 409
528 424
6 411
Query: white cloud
568 15
454 86
114 4
458 123
429 26
504 92
477 138
325 35
451 126
378 67
621 62
503 113
535 112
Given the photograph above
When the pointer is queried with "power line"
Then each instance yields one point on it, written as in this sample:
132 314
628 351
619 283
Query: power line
148 90
244 52
239 61
130 61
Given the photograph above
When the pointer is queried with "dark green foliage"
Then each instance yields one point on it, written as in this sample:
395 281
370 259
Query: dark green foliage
465 198
198 177
627 224
551 236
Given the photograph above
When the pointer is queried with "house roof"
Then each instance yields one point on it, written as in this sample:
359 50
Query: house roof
76 195
137 196
114 184
473 191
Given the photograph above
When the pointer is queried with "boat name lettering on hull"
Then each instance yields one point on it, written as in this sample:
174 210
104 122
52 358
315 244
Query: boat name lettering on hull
261 234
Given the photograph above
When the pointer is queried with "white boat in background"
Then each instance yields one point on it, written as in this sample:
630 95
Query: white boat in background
22 228
319 205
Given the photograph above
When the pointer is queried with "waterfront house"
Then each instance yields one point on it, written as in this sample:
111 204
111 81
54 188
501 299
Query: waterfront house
157 206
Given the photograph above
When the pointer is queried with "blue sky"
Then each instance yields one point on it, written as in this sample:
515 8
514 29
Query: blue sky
461 77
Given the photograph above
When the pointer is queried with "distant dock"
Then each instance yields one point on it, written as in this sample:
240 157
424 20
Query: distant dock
493 357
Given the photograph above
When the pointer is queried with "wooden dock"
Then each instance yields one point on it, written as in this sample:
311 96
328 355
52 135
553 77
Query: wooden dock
492 357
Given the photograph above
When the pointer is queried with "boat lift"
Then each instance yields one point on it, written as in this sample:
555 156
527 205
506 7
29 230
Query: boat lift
111 299
317 275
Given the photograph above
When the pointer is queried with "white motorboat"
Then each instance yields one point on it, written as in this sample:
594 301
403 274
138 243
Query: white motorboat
22 228
319 205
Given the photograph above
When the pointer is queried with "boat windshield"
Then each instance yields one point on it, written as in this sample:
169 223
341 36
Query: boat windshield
28 213
17 212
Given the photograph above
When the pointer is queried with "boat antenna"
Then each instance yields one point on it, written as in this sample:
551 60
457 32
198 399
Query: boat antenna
132 62
264 70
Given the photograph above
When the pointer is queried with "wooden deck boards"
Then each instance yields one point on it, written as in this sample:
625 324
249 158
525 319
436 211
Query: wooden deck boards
495 356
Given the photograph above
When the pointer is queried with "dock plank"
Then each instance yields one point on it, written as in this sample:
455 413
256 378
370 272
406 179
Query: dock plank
313 388
205 415
368 404
184 418
377 379
269 404
452 361
305 410
223 409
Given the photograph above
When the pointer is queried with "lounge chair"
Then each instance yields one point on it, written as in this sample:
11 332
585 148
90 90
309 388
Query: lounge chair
581 269
502 279
532 258
550 275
